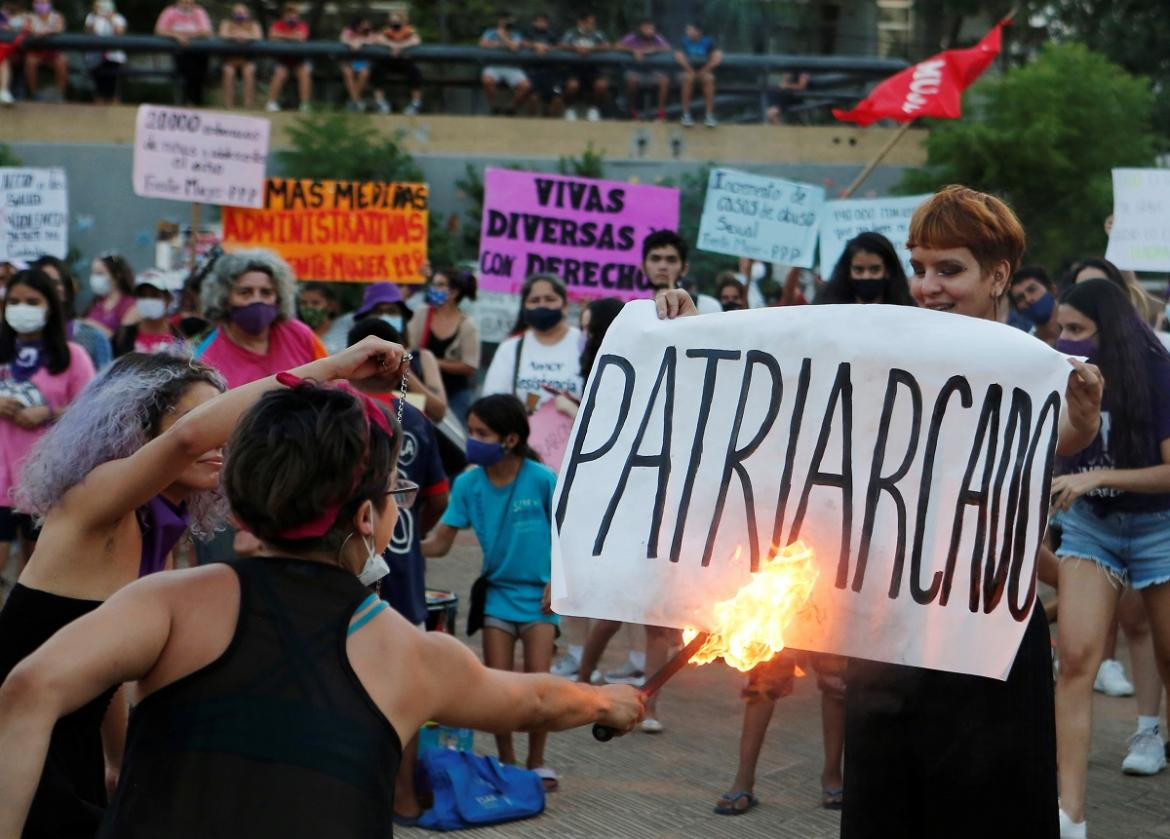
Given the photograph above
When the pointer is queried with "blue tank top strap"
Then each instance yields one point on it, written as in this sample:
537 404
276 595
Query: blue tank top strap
367 617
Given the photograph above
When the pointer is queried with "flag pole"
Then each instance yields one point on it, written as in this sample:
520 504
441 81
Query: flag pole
877 158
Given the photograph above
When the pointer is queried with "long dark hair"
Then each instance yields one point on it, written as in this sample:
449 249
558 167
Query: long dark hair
552 279
1125 346
839 288
601 314
52 336
1147 306
68 281
504 414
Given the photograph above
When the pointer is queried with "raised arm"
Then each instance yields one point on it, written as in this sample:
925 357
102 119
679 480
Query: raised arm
113 489
116 643
439 542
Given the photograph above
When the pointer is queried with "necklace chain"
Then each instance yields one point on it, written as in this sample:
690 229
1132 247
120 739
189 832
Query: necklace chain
402 387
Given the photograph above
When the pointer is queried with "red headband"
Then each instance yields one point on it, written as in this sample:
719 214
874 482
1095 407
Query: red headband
373 412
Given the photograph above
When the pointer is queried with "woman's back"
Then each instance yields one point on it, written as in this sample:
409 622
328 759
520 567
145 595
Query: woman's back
279 718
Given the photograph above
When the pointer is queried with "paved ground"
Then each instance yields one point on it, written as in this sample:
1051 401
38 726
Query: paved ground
665 785
654 787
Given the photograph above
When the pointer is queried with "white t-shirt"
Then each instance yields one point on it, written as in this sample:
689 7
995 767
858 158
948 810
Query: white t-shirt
105 26
556 365
708 305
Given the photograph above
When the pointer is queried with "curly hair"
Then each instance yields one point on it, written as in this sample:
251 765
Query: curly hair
230 266
116 415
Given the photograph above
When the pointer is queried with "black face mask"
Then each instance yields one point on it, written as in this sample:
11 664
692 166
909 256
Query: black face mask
867 291
732 306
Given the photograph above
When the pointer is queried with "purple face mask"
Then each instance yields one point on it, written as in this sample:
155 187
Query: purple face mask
1081 346
254 318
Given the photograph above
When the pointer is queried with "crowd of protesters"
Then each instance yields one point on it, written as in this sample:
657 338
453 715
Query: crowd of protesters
451 432
626 86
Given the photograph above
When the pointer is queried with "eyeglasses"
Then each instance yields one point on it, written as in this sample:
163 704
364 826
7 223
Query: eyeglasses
404 493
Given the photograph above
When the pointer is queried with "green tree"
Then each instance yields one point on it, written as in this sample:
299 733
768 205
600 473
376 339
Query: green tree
1045 137
7 158
346 147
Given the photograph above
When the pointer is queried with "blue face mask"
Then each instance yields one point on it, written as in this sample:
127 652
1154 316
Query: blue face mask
1080 346
1040 312
484 454
437 296
393 320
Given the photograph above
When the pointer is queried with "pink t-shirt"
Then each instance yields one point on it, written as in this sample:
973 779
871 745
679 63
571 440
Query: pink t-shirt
58 391
290 344
110 317
174 19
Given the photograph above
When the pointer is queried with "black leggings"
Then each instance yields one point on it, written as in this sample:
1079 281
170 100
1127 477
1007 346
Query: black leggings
105 79
192 68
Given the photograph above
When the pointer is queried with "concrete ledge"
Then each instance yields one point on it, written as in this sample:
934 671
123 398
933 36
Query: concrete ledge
529 139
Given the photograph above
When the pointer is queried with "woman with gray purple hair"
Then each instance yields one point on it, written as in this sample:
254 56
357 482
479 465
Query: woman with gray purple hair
116 482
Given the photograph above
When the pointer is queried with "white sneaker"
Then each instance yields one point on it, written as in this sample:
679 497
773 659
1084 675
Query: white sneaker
304 107
593 115
570 114
1111 679
651 726
6 98
595 678
566 666
687 121
1070 829
1147 754
709 121
628 675
383 107
413 109
272 107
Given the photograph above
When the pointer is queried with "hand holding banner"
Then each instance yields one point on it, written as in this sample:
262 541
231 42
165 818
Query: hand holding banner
911 449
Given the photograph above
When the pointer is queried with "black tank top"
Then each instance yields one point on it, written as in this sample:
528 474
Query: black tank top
276 738
71 795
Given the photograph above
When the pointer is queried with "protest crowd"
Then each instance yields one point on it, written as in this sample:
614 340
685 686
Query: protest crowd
614 82
222 489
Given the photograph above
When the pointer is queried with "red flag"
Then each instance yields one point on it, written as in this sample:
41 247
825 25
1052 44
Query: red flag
931 88
10 47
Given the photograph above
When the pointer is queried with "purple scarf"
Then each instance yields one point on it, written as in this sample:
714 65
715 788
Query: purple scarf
162 526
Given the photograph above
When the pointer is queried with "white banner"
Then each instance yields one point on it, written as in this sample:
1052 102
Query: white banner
212 158
1140 238
34 214
911 449
495 314
770 219
842 220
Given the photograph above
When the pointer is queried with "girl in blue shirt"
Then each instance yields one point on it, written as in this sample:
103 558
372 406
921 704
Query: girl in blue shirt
507 498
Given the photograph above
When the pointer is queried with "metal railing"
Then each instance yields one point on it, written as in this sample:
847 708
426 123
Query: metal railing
833 78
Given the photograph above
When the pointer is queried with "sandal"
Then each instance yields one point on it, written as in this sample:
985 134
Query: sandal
548 777
833 799
727 802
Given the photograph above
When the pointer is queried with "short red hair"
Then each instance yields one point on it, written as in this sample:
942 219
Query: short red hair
960 217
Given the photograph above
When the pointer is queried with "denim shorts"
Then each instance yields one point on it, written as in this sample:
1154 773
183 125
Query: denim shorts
1131 547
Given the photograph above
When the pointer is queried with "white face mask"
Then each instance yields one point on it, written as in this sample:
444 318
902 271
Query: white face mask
26 318
100 283
375 567
151 308
393 320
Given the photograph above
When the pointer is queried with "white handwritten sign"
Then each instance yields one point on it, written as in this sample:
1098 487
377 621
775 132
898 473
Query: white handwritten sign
34 213
765 218
842 220
495 314
911 449
1140 238
204 156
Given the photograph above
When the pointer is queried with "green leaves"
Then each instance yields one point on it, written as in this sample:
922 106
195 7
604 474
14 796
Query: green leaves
1045 137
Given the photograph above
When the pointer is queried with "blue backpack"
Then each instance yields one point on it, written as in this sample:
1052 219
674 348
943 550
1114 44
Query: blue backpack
474 791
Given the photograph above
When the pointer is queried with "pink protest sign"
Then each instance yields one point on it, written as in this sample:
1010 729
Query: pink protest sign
548 434
588 232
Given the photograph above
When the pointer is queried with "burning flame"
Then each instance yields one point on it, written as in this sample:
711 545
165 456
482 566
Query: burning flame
749 628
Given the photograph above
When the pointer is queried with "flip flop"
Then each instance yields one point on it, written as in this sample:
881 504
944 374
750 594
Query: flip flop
728 800
548 777
833 799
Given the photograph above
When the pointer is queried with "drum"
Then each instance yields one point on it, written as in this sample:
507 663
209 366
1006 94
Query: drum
442 609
